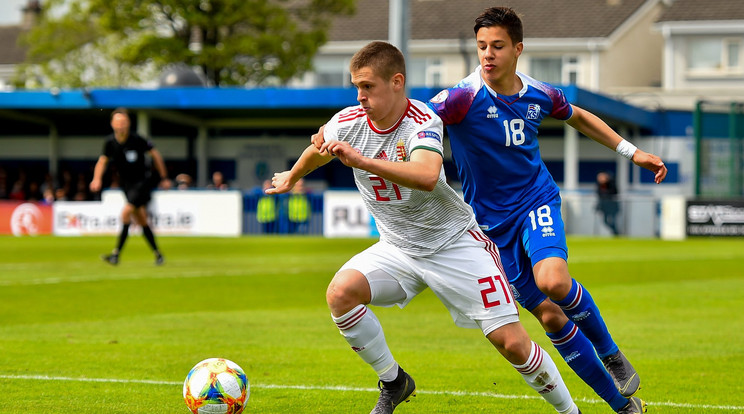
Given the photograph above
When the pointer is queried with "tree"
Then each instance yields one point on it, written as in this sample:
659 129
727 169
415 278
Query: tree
80 43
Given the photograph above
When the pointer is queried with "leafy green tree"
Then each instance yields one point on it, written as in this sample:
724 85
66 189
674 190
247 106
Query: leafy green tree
80 43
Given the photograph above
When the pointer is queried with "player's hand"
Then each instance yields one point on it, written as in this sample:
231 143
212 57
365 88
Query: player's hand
317 139
345 153
95 185
652 163
281 182
165 184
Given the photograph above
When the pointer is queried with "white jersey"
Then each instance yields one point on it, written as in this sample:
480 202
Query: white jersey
417 222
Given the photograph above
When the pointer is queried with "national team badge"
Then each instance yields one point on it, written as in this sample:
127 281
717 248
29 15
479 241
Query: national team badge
533 111
400 149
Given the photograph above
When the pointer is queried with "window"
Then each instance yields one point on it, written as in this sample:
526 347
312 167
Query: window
424 72
715 56
547 69
555 70
331 71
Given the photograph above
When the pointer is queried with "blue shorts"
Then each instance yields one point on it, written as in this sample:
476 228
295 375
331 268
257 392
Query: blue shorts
537 235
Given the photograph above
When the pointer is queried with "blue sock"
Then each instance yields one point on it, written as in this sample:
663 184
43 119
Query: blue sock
579 354
579 306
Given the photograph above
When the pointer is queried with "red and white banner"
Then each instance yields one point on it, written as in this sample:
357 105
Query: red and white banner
25 218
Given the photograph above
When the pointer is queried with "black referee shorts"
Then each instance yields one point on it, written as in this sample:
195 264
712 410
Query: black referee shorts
139 194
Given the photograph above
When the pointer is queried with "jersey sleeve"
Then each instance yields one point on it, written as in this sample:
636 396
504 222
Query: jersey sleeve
452 104
429 136
562 110
108 148
333 130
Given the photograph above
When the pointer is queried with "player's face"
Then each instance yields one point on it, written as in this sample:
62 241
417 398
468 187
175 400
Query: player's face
376 96
497 54
120 125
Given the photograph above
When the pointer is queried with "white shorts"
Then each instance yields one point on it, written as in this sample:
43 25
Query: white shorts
467 277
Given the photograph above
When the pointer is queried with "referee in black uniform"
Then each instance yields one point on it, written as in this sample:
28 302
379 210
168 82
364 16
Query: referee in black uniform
127 150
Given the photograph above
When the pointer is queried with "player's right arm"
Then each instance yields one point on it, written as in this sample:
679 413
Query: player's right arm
98 171
317 139
310 159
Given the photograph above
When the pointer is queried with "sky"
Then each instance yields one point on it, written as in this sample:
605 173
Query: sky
10 11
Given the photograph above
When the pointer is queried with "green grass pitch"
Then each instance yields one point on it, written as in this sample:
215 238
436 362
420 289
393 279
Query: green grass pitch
80 336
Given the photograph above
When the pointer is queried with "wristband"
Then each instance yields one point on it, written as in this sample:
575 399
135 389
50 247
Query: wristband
626 149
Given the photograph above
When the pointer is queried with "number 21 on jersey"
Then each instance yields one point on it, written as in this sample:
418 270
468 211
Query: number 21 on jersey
381 186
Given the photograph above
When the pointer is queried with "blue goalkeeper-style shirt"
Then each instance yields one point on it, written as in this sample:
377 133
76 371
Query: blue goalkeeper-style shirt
494 146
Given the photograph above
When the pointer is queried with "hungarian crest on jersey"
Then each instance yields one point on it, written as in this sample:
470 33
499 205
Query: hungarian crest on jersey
400 150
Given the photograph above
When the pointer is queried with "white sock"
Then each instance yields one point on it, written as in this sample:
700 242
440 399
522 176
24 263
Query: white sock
542 375
363 332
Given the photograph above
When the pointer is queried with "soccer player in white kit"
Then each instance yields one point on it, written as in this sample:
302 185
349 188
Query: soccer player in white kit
428 234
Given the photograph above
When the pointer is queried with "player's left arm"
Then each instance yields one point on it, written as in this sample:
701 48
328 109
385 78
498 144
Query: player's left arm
420 172
590 125
160 166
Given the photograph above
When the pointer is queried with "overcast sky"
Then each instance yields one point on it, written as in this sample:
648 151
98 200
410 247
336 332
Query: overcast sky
10 11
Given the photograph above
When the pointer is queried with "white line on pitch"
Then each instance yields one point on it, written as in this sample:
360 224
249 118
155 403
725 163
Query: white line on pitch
341 388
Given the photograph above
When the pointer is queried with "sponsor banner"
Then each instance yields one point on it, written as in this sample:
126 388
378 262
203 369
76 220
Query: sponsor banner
185 213
25 218
345 215
80 218
715 218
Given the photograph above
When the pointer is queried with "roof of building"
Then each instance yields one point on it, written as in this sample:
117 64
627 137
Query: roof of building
239 107
695 10
444 19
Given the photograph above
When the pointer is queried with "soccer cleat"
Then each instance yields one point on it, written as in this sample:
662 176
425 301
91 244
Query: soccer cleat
392 395
112 259
635 406
159 259
625 376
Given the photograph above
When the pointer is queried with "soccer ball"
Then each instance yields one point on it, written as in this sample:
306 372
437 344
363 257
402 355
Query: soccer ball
216 386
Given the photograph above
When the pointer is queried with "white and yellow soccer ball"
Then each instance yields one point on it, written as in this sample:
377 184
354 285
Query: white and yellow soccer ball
216 386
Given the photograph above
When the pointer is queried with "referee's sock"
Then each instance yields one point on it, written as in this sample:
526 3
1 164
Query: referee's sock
147 232
122 239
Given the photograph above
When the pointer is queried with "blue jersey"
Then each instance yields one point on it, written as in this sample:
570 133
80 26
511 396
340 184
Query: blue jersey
495 149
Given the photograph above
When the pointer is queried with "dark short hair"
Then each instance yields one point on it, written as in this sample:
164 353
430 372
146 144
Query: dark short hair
383 58
120 110
504 17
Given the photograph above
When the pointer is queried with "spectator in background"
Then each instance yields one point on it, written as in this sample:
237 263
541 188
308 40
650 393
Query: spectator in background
48 195
607 203
218 182
298 208
48 183
60 194
18 192
65 189
184 181
34 192
266 210
81 188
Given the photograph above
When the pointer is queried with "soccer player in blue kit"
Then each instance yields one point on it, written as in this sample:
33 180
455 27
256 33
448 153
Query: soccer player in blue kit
492 118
